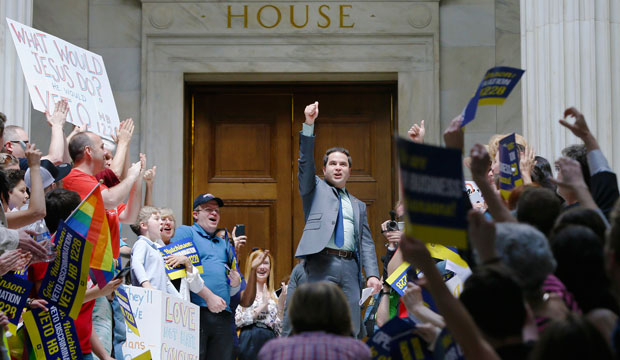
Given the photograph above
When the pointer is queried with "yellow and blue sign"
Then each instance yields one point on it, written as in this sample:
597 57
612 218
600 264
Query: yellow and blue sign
130 320
433 188
65 281
395 340
494 88
13 295
509 172
53 336
447 348
186 248
398 278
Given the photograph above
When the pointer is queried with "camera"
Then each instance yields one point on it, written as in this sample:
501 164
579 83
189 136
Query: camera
392 225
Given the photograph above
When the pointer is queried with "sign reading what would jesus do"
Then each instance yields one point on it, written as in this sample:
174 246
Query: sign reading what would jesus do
56 69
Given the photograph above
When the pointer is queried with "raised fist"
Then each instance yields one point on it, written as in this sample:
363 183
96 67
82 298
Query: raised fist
311 112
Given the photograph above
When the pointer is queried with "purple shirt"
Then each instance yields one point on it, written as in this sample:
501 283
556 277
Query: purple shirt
315 346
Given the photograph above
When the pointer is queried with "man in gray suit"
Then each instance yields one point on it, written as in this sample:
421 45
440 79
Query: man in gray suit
336 242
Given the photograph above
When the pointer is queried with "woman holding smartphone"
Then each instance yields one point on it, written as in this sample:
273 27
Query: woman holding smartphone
261 321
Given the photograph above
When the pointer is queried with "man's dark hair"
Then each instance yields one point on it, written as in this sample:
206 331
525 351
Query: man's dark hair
539 207
337 149
78 144
494 298
320 306
2 122
4 186
542 172
14 177
580 257
579 153
581 216
59 203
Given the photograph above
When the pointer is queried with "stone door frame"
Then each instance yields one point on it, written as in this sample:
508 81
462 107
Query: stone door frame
189 41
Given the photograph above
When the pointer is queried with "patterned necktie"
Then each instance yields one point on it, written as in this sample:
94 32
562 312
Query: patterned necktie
339 235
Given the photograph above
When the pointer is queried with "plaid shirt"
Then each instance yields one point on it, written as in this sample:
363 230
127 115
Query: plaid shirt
315 346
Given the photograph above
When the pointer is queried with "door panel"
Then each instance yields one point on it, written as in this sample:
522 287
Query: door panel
246 146
241 151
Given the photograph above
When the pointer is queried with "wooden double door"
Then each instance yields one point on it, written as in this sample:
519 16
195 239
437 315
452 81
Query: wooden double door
243 146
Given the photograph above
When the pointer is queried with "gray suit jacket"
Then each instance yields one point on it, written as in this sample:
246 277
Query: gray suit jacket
320 203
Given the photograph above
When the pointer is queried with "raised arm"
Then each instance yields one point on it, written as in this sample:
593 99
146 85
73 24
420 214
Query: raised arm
113 196
306 170
36 206
571 178
57 141
149 178
604 187
457 319
123 141
480 163
134 203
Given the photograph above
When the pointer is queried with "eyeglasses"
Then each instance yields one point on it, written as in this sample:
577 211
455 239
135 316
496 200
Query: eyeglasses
208 210
18 141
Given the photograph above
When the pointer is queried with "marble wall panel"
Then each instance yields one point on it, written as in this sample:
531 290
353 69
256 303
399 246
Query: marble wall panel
67 19
464 25
114 24
122 66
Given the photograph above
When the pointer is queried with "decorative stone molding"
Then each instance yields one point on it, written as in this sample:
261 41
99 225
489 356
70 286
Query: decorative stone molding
251 41
420 16
161 17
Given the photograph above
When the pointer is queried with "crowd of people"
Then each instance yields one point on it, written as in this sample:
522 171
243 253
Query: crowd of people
545 263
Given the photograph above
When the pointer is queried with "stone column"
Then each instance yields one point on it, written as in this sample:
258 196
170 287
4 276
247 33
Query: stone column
570 50
14 97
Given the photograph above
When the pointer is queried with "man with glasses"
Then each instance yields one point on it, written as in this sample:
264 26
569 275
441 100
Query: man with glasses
216 339
16 138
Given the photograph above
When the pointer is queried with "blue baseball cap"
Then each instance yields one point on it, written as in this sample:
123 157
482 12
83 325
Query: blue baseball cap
203 198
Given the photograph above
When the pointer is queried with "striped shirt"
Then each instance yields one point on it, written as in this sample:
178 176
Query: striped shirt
315 346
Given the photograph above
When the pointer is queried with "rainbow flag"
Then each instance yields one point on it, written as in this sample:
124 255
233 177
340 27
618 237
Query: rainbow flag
89 220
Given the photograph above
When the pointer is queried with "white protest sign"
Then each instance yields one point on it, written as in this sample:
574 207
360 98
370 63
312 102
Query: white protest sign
169 327
55 69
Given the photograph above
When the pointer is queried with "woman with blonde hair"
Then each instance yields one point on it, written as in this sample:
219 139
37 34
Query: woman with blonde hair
262 320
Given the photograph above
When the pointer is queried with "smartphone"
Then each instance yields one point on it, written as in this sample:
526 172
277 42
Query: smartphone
22 144
124 272
240 231
278 292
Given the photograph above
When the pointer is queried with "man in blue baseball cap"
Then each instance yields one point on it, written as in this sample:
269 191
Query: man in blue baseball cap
216 339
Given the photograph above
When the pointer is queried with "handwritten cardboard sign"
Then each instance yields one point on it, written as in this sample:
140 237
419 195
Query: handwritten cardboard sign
56 69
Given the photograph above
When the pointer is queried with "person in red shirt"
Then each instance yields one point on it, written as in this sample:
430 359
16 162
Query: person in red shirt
87 151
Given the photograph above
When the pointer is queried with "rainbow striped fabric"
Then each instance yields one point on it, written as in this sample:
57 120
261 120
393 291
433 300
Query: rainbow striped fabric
89 220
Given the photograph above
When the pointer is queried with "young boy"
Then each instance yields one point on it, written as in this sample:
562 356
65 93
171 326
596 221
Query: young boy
147 264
